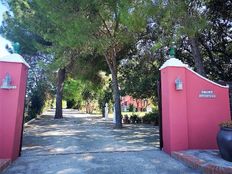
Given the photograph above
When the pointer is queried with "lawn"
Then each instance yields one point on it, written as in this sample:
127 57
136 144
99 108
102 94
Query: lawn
140 114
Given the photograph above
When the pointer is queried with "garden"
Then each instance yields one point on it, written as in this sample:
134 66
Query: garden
90 53
87 55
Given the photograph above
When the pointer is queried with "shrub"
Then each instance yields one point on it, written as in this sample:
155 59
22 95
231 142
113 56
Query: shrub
135 119
78 105
36 100
152 117
71 104
131 108
139 120
226 124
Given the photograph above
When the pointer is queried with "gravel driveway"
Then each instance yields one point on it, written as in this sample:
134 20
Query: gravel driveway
82 143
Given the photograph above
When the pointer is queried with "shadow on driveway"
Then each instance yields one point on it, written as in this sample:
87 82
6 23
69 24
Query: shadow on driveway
81 143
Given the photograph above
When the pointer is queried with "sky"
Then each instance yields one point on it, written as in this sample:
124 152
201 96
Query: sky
3 41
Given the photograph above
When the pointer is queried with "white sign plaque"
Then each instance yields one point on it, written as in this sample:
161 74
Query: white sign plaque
207 94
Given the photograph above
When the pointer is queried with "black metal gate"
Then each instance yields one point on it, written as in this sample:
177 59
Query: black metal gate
230 93
160 112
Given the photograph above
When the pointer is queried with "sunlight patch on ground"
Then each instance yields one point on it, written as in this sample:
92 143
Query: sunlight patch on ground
68 171
60 133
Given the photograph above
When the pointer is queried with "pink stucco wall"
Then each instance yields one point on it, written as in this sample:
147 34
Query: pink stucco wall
11 109
191 121
129 100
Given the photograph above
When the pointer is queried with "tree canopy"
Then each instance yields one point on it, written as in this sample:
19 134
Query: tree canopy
127 39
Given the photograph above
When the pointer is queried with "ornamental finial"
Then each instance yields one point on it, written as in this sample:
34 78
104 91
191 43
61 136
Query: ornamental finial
172 52
16 48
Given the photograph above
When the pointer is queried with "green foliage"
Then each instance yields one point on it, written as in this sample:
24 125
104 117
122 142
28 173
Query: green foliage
72 90
37 100
24 25
133 15
152 117
87 94
83 36
135 119
71 104
139 77
131 108
181 17
78 91
104 97
105 93
82 27
39 86
216 42
88 67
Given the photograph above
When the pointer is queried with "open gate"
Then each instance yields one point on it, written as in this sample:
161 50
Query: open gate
230 93
160 112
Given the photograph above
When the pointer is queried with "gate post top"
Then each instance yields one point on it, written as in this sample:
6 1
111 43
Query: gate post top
14 58
174 63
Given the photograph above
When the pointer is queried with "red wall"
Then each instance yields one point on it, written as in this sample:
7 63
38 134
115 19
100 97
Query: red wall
204 114
11 109
190 121
137 103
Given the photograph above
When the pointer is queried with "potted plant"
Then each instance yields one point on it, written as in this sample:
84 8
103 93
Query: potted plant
133 118
224 140
126 119
138 120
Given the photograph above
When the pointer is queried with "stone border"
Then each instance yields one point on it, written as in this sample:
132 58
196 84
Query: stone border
201 165
4 163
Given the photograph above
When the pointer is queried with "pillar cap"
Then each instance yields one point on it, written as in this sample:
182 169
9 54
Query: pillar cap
14 58
173 62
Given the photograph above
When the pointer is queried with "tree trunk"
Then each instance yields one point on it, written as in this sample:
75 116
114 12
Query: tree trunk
103 109
217 67
86 108
117 101
197 56
59 93
110 58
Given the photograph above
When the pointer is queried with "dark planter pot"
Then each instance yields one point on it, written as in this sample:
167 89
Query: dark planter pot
133 121
224 141
126 121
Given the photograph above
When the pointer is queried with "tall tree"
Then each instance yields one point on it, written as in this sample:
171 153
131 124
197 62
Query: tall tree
138 77
39 87
103 26
28 24
180 18
216 41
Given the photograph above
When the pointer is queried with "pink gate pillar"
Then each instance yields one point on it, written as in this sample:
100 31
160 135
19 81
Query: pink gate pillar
192 108
13 69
